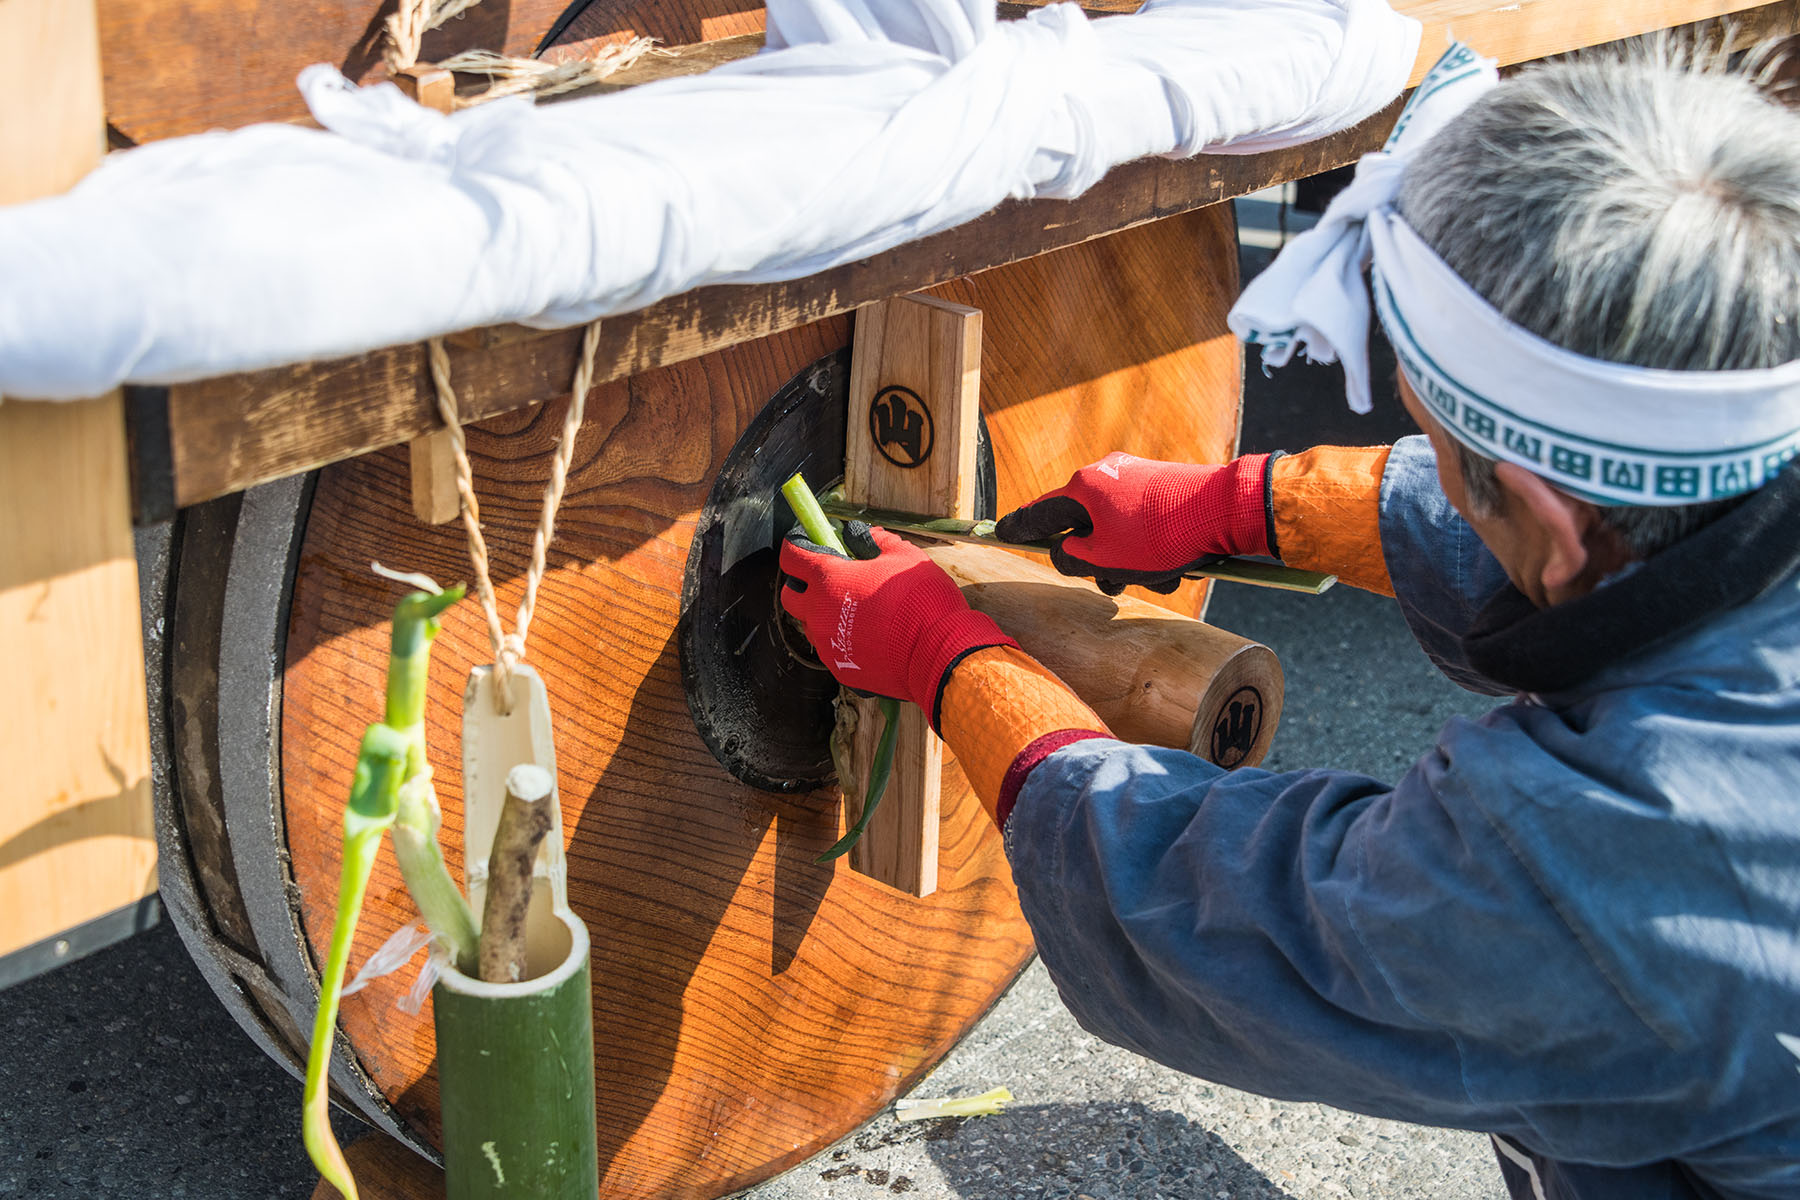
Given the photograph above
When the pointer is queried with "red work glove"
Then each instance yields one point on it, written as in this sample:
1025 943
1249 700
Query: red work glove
889 622
1135 520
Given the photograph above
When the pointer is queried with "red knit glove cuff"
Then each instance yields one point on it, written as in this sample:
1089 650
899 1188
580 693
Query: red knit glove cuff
1229 510
941 647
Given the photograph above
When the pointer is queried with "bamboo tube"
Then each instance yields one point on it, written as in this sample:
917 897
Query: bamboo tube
1153 676
516 1079
524 820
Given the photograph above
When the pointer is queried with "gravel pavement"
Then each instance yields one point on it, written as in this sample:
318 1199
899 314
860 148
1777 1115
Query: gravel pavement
124 1077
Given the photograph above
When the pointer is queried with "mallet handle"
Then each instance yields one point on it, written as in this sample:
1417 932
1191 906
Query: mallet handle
981 533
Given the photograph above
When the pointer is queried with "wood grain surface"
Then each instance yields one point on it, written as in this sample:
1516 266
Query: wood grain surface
749 1006
233 431
915 394
1153 676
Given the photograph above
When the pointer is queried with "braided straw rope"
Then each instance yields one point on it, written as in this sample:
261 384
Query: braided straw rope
406 29
413 19
408 25
509 648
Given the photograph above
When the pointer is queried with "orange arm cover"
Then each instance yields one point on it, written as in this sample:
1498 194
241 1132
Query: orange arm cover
1326 509
1002 713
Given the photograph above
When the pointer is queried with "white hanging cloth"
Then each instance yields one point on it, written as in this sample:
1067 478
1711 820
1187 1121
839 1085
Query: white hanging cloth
864 124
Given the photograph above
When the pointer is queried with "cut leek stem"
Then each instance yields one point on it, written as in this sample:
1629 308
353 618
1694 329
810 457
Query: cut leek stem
813 520
374 797
392 782
819 529
440 901
983 1105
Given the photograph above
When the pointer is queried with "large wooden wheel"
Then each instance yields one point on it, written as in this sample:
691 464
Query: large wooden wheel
750 1006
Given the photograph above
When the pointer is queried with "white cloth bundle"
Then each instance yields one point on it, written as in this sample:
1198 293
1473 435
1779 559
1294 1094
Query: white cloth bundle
1312 295
1609 432
865 124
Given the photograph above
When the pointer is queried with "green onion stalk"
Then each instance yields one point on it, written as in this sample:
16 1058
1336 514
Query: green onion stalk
391 790
820 530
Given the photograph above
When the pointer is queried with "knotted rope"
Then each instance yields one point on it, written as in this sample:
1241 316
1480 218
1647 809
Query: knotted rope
413 19
509 648
406 29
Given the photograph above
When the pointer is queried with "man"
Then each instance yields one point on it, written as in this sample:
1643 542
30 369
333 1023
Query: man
1575 923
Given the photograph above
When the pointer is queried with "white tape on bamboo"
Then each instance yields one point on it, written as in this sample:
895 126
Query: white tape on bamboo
509 648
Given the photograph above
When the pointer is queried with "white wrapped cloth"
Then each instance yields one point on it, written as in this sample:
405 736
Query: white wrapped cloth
863 125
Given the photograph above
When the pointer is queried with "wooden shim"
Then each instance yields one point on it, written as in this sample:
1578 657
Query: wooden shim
76 836
429 85
915 389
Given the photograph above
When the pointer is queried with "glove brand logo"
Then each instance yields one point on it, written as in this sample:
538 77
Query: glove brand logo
1236 728
1109 466
840 638
901 426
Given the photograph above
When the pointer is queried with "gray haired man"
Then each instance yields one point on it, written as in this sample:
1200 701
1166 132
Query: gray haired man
1575 923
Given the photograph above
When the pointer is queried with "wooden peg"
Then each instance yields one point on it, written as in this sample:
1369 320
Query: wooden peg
434 497
428 84
915 386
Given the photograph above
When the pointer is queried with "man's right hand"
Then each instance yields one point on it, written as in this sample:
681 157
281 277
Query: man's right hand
1129 520
890 621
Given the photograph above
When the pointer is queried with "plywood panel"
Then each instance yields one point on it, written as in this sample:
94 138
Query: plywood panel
76 840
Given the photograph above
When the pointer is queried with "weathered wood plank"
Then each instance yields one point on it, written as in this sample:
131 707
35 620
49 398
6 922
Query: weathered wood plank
1516 31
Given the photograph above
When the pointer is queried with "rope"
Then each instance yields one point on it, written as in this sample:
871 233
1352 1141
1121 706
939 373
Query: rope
517 76
406 29
409 24
413 19
509 648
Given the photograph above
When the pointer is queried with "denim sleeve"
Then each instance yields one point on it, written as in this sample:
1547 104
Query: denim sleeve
1441 572
1311 935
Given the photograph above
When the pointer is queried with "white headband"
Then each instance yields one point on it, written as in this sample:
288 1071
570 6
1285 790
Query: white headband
1611 433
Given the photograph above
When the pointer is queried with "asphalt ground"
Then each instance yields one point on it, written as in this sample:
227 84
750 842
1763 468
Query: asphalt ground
122 1075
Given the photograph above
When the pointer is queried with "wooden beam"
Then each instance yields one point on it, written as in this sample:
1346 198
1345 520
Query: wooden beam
236 431
77 843
1516 31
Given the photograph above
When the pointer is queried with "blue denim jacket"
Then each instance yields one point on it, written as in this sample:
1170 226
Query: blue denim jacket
1574 923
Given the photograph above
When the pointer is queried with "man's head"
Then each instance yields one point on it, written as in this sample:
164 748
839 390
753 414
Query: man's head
1643 210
